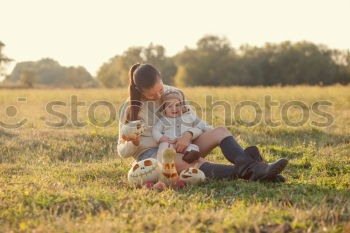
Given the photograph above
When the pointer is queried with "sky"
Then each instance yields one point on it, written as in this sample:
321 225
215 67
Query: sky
90 32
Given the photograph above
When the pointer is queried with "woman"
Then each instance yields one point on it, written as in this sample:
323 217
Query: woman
145 90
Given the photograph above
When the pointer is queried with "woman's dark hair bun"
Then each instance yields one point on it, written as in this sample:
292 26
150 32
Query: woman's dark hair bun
132 71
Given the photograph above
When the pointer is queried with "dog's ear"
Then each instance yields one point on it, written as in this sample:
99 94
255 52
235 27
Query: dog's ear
185 109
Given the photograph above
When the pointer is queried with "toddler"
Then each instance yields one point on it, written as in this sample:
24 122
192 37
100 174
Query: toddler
175 119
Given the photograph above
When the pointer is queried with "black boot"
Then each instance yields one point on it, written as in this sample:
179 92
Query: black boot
249 168
254 171
253 152
219 171
260 171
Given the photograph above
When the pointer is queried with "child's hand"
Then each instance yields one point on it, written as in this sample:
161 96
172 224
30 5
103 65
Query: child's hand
183 142
164 139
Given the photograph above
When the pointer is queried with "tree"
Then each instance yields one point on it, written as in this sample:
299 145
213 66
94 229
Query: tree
77 76
289 63
49 72
115 72
3 60
155 55
212 63
28 77
108 74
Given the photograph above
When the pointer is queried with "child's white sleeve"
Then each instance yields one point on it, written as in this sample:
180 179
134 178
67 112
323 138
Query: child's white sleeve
196 132
157 130
199 126
203 125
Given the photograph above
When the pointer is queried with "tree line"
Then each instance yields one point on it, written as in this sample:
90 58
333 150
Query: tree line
49 72
213 62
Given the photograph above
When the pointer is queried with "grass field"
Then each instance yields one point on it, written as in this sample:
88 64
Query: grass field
70 179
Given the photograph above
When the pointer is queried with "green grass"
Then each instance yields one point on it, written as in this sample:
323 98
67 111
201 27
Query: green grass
71 179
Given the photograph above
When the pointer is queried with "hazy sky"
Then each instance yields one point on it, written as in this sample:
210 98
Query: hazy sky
89 32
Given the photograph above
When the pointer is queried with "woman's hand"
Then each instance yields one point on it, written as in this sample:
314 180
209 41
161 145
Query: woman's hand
183 142
135 141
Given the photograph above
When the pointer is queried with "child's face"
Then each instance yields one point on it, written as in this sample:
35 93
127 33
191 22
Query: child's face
173 108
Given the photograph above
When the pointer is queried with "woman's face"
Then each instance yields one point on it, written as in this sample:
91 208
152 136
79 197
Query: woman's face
155 92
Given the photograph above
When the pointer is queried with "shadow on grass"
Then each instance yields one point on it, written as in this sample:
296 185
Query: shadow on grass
291 137
6 134
284 194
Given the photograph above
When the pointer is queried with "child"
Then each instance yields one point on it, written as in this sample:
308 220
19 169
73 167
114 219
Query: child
175 120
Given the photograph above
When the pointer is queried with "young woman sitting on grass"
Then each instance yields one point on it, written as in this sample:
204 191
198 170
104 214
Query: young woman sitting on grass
145 91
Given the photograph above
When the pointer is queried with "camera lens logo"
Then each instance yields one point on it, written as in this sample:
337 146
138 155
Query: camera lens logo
12 112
